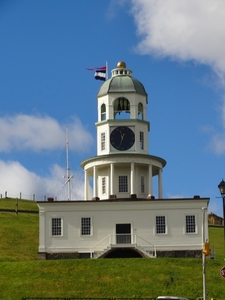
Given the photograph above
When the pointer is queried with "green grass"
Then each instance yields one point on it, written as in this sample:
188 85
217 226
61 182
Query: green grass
18 236
11 203
21 275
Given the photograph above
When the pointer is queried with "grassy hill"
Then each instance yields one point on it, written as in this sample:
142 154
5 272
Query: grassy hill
22 275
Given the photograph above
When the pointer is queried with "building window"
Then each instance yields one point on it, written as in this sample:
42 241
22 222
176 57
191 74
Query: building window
142 140
85 226
123 184
160 224
140 111
142 185
103 185
103 141
56 226
103 112
190 224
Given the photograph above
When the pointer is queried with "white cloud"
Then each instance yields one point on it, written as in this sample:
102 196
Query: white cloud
217 140
15 179
217 143
56 187
185 30
40 133
37 133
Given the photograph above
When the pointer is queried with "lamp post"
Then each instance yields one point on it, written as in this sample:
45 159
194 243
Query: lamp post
204 214
221 187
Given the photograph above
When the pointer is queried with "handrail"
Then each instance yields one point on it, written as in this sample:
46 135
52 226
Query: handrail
148 244
116 239
92 249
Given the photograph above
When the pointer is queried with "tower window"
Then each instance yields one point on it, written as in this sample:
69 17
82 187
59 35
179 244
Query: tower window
85 226
103 185
103 141
190 224
142 140
56 226
140 111
160 224
103 112
123 184
142 184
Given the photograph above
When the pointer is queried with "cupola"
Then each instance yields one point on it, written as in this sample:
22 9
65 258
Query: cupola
121 82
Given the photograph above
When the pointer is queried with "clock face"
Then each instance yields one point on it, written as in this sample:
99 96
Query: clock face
122 138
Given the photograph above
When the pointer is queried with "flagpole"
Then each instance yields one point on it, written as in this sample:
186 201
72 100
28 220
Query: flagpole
106 70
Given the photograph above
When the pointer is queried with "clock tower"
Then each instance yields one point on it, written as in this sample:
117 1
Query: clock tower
122 168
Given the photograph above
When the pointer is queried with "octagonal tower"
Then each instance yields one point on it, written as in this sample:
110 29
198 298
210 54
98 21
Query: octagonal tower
123 167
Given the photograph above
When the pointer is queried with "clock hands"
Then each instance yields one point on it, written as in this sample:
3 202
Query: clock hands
122 137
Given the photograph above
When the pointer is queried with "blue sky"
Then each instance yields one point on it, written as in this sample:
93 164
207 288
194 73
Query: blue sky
175 48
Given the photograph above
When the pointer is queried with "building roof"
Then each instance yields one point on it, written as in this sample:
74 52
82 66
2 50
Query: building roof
116 200
211 214
121 82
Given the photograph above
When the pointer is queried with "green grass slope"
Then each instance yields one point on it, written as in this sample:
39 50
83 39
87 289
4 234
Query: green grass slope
22 275
11 203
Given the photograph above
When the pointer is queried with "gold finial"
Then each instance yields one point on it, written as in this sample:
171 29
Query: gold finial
121 65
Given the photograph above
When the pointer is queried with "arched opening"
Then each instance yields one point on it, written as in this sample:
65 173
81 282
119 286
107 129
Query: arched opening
103 112
121 108
123 253
140 111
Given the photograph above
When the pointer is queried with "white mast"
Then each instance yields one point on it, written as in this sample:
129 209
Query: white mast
107 75
67 176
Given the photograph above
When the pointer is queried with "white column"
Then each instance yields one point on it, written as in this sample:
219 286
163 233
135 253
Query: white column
160 192
111 179
42 231
150 191
132 187
86 186
95 188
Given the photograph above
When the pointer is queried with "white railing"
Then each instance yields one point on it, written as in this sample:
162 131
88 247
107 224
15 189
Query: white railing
101 245
120 240
148 247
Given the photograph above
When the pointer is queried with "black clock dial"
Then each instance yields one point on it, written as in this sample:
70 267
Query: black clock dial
122 138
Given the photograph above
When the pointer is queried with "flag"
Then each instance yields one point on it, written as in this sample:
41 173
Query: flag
100 72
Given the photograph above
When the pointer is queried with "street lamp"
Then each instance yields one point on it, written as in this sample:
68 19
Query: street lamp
204 213
221 187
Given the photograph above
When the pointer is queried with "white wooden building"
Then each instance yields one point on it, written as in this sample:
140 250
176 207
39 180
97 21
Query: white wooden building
122 218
